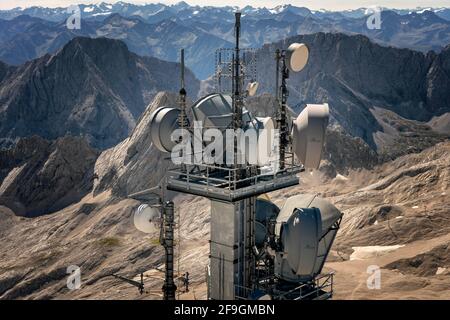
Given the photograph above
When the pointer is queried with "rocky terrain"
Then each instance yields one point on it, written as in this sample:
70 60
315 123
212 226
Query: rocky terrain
396 216
122 168
401 206
90 232
40 177
75 138
95 88
361 80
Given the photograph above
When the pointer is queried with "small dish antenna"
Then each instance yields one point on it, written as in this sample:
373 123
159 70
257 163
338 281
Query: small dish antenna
297 56
147 219
252 87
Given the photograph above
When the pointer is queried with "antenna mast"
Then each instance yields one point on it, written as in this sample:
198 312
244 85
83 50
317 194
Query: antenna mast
237 96
182 118
281 114
169 288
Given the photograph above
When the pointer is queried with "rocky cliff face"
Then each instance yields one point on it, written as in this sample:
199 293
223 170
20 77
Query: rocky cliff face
342 153
92 87
4 70
438 83
134 164
355 75
40 177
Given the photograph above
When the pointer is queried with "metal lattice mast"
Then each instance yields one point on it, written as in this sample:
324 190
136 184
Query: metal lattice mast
282 102
237 94
183 121
169 288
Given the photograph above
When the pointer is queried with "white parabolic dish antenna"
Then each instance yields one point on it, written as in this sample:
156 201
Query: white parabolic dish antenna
147 219
308 133
297 56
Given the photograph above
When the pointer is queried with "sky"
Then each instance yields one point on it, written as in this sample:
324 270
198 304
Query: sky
312 4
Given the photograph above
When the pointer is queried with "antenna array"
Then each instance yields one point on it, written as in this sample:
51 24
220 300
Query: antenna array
224 69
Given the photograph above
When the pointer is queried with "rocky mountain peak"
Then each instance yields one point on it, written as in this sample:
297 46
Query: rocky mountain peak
130 166
98 49
92 87
4 69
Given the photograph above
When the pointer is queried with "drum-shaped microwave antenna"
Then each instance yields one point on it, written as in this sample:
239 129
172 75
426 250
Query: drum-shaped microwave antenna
308 134
147 219
163 122
306 227
297 56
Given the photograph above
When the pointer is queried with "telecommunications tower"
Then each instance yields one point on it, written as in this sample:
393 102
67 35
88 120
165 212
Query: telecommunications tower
257 250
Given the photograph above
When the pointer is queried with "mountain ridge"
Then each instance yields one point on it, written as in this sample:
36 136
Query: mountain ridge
355 75
167 31
350 72
90 87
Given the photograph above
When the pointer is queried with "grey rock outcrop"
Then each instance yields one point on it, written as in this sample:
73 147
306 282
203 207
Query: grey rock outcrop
4 70
343 153
40 177
441 123
355 75
92 87
134 164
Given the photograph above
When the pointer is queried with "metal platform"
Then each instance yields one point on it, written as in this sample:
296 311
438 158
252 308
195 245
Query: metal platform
223 184
320 288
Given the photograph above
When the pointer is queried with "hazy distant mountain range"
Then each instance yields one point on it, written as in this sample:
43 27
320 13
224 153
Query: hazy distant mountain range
159 30
158 11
